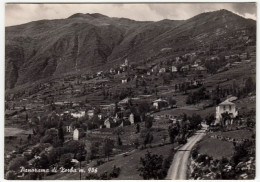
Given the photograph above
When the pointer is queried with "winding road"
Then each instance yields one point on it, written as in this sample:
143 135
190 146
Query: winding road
179 166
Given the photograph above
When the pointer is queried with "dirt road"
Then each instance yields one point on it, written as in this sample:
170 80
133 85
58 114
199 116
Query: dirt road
178 169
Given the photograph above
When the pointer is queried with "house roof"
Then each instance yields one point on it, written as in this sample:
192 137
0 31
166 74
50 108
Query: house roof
226 102
160 100
80 130
186 66
124 101
141 68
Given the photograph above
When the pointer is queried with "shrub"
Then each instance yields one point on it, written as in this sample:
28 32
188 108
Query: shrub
100 162
194 153
201 158
65 160
92 176
151 166
105 176
115 172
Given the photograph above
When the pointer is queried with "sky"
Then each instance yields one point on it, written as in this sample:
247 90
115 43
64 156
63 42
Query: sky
22 13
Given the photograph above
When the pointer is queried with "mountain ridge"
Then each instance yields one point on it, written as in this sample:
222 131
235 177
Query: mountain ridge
45 48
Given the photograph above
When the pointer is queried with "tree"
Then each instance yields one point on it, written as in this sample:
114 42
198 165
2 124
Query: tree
137 128
210 119
53 156
249 85
148 122
147 137
42 162
143 108
65 160
225 117
172 102
60 133
94 150
11 175
173 131
36 151
164 138
195 121
16 163
136 143
240 153
119 131
74 147
26 117
166 78
108 146
116 108
151 166
29 138
119 141
250 123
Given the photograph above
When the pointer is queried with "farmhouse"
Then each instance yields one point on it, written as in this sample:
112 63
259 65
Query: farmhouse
108 123
162 70
59 103
78 133
174 69
99 73
78 114
68 128
201 68
125 80
90 113
131 118
112 71
185 68
225 107
159 103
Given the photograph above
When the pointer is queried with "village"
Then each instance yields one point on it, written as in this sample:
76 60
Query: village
106 120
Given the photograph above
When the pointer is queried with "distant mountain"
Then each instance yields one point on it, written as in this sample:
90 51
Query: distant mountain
46 48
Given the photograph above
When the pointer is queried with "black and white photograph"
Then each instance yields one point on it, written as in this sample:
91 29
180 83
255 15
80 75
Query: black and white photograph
129 91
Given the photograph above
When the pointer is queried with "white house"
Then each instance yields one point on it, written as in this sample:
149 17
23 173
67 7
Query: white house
131 118
174 69
76 134
99 73
185 68
68 128
78 114
112 70
90 113
125 80
159 103
100 116
108 122
224 107
162 70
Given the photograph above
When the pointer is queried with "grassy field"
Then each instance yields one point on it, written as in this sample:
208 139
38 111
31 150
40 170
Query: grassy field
246 104
128 163
188 111
237 134
216 148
